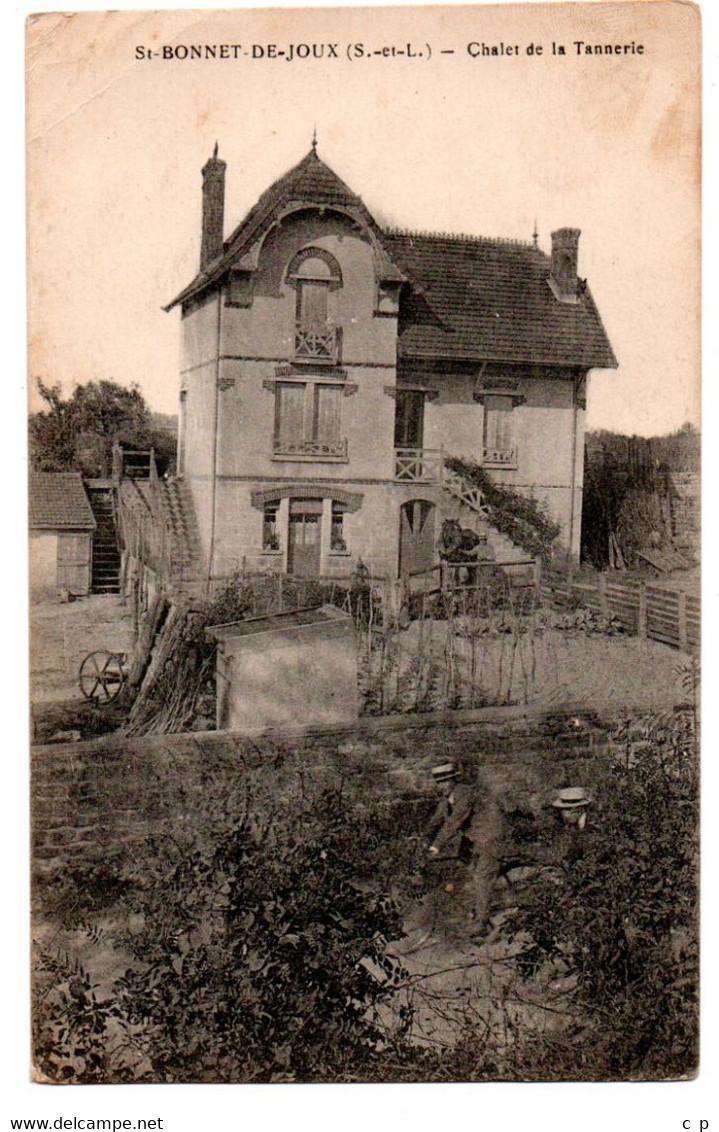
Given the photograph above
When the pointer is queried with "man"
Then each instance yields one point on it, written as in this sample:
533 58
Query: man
467 829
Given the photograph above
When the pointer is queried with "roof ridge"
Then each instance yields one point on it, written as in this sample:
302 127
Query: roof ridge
460 237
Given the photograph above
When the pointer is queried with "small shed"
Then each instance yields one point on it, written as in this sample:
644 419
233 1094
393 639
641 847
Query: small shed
292 669
61 526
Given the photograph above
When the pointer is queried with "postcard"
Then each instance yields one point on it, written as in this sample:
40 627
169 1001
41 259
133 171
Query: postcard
364 531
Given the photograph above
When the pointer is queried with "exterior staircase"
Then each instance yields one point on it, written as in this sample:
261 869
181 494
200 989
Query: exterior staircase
105 577
472 505
179 515
136 465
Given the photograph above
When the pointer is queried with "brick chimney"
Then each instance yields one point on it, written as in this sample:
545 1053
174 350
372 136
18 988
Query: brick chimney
213 208
565 253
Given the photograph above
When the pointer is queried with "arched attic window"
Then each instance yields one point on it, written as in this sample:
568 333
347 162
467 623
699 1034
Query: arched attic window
313 273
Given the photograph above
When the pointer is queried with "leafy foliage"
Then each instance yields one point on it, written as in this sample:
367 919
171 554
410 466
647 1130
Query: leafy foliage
77 433
518 516
624 917
70 1024
262 956
257 936
626 487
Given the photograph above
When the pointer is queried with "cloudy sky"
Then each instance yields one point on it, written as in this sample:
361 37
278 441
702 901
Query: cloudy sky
453 143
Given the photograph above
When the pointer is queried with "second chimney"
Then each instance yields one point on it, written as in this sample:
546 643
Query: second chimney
565 254
213 209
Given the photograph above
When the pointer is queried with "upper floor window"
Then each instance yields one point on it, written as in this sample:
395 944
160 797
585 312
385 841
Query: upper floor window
499 446
308 420
314 274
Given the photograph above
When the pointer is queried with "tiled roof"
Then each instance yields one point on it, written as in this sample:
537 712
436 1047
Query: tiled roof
468 299
58 502
491 300
310 180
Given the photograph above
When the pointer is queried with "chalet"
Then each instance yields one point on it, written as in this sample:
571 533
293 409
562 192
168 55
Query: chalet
330 366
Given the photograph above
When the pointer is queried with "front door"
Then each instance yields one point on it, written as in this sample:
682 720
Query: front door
416 536
303 552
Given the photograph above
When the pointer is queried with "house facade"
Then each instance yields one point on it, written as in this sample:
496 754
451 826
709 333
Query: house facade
329 366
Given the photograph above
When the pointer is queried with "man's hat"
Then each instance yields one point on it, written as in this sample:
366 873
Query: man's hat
571 798
444 773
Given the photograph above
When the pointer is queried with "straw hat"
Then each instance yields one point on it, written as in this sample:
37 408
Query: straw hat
444 773
571 798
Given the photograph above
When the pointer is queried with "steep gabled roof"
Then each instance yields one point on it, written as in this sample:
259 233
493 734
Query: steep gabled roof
58 502
491 300
310 182
468 298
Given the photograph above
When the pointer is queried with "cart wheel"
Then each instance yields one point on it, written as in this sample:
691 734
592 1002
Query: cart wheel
101 676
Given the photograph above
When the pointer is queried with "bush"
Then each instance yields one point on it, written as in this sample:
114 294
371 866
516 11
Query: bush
624 918
517 516
263 956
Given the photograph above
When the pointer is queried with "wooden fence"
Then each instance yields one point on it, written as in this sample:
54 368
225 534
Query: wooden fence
645 609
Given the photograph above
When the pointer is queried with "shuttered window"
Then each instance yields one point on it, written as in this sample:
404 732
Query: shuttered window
498 431
328 405
290 413
308 419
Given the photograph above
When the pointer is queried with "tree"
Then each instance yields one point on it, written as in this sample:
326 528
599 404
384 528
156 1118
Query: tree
77 433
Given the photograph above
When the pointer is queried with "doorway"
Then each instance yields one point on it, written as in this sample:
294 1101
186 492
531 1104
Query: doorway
304 542
416 536
409 419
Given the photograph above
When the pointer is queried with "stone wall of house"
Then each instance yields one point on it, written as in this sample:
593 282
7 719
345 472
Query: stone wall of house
100 801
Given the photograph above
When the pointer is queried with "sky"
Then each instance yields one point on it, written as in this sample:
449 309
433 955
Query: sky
483 146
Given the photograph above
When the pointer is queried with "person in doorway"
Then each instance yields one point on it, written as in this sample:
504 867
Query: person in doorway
467 827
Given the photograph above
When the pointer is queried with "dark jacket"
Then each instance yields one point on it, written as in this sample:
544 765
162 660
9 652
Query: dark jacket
466 825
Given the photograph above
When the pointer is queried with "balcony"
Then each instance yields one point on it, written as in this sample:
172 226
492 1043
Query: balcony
310 449
318 347
499 457
418 465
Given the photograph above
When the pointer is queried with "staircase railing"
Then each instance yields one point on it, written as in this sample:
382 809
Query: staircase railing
463 489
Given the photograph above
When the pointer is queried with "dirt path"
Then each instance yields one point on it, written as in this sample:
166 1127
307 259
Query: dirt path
61 635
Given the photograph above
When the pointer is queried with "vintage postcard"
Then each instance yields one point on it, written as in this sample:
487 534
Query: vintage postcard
364 449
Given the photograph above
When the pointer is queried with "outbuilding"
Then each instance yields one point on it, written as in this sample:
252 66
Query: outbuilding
61 530
293 669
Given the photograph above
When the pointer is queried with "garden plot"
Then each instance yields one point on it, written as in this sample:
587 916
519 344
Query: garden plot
443 664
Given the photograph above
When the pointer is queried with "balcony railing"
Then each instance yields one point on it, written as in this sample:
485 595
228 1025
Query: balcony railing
303 449
418 465
500 457
318 346
426 465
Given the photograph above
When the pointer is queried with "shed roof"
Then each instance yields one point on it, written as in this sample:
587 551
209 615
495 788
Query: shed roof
310 616
58 502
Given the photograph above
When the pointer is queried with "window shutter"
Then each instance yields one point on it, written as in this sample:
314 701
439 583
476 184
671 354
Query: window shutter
313 306
290 413
328 405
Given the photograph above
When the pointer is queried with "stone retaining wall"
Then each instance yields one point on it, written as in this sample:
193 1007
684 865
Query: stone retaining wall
97 802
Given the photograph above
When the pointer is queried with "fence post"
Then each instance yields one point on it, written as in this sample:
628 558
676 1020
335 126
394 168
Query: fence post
642 611
602 587
682 613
